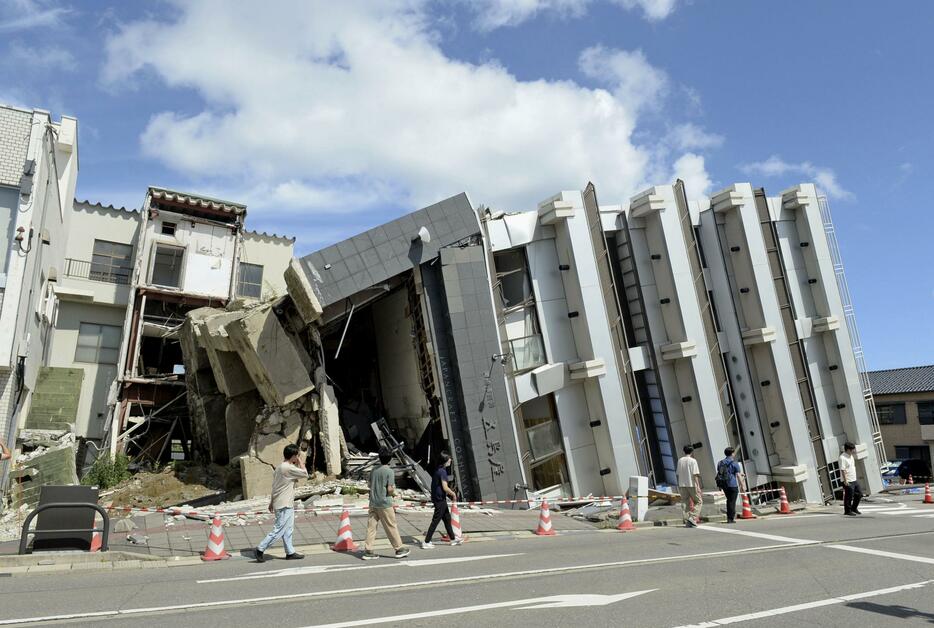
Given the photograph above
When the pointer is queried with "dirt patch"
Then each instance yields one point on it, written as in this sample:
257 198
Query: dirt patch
171 486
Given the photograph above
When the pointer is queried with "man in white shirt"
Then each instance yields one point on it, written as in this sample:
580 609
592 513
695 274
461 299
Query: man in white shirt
852 491
689 485
282 503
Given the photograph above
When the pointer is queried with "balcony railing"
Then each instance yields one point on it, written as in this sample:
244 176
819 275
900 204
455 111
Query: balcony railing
527 352
83 269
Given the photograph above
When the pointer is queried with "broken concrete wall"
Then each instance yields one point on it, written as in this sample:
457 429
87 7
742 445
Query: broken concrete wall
206 403
270 356
329 424
52 467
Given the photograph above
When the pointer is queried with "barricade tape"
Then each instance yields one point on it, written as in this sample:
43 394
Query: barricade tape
174 511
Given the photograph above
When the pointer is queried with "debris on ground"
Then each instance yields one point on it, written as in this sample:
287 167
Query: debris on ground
175 484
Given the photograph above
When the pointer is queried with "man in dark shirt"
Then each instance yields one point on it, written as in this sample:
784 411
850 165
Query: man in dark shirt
440 491
729 474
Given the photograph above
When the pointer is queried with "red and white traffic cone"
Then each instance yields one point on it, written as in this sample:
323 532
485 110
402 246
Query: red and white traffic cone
455 524
927 494
747 508
215 549
95 542
783 507
544 522
344 541
625 518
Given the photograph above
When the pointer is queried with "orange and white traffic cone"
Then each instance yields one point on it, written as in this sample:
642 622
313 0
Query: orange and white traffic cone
625 517
544 522
927 494
747 508
783 507
344 541
455 524
95 542
215 549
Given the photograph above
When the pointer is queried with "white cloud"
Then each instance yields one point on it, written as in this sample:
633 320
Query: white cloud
691 169
493 14
49 57
652 10
348 107
689 136
21 15
825 178
631 77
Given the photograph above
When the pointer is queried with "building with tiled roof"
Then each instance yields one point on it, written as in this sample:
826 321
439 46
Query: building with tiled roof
905 405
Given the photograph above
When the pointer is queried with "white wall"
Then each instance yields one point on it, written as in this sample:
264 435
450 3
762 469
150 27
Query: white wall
273 253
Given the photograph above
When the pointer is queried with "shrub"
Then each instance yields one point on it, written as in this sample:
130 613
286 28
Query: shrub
107 472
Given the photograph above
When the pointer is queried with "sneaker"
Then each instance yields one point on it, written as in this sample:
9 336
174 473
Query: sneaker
402 552
458 541
368 555
428 545
857 512
731 522
690 524
294 556
260 557
850 514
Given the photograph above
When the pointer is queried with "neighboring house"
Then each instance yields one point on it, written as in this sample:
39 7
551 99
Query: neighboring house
188 251
38 173
905 404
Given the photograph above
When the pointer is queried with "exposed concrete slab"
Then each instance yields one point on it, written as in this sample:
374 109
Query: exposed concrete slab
302 293
240 419
329 425
269 448
270 357
255 477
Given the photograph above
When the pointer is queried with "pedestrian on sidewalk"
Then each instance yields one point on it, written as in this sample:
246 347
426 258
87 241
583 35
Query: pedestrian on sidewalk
729 479
382 489
440 491
282 502
689 485
852 491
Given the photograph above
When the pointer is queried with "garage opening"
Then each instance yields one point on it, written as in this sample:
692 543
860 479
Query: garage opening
376 357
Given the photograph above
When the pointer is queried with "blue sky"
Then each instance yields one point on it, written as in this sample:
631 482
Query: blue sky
327 122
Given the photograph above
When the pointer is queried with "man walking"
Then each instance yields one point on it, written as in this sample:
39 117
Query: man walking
440 491
852 491
729 476
282 502
382 489
689 485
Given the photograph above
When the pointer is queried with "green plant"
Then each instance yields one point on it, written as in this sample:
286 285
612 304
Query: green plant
107 472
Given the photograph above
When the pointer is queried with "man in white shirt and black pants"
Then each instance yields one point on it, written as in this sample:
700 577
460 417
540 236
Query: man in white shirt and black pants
852 491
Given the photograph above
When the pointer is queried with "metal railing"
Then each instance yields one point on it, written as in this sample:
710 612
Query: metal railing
104 530
850 315
105 273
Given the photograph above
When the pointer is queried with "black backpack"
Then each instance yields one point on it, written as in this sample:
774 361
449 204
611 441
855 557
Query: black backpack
724 469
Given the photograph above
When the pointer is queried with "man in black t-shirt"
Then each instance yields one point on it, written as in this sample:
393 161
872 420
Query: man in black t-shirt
440 491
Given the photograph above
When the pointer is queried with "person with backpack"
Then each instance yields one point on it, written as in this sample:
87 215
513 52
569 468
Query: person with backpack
729 476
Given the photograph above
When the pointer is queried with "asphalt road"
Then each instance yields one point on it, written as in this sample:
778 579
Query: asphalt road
825 570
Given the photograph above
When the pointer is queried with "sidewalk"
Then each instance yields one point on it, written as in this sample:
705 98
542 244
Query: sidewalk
188 537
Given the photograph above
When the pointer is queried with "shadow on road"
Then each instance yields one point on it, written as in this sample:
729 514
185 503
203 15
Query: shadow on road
892 610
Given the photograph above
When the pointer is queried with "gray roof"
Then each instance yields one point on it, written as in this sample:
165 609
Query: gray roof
371 257
904 380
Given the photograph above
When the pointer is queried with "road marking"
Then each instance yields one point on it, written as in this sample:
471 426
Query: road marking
387 587
807 605
319 569
757 535
883 553
554 601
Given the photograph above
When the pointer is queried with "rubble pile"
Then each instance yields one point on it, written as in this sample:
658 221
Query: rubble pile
256 383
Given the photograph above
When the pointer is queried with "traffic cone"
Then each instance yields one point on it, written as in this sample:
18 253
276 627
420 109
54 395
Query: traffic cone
544 521
625 518
783 507
344 535
747 508
927 494
95 542
455 524
215 549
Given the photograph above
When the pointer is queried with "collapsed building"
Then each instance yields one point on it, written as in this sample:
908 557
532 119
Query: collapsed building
555 351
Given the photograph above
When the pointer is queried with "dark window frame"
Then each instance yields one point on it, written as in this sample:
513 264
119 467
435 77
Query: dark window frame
925 412
899 416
